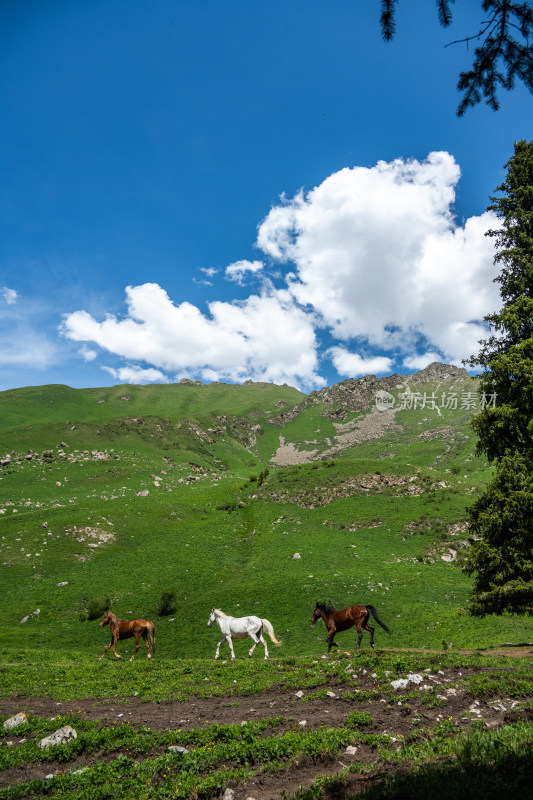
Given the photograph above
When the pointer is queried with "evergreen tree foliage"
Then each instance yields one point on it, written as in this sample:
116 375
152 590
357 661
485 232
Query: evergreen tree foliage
502 519
503 54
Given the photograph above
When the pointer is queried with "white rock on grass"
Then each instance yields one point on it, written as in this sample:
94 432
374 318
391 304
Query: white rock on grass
351 750
61 736
175 748
16 721
402 683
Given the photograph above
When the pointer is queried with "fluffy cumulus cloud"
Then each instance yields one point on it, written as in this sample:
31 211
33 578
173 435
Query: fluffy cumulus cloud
421 361
376 252
353 365
237 270
265 337
134 374
375 257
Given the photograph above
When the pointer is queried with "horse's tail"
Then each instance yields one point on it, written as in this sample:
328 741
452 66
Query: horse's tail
152 636
270 630
375 615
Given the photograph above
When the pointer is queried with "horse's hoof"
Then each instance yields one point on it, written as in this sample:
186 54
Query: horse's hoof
149 656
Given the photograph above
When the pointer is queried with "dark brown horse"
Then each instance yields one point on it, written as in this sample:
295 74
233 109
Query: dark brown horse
337 620
125 629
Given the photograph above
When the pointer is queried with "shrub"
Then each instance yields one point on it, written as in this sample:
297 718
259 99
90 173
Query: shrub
97 606
167 603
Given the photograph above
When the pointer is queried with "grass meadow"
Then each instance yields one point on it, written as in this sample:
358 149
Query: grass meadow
128 492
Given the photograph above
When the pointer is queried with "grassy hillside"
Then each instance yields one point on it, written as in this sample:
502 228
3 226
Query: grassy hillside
127 491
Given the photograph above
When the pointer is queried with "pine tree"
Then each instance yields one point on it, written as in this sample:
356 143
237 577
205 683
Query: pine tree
501 557
503 51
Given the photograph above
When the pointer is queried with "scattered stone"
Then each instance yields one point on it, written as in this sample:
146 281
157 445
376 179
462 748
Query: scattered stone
61 736
229 794
49 776
401 683
331 694
303 723
175 748
415 678
297 555
299 694
62 583
44 524
23 620
16 721
144 493
351 750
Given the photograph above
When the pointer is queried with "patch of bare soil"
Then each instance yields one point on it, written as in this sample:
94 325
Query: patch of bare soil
373 425
391 717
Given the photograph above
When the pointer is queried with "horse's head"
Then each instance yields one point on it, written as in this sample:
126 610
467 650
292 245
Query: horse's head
317 613
211 619
106 620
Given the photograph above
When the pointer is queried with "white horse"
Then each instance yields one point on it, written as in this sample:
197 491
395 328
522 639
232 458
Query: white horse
240 628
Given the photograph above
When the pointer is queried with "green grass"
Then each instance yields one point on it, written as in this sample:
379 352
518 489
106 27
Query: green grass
158 478
126 762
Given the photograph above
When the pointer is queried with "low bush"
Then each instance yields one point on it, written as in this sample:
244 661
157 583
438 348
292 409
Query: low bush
167 603
97 606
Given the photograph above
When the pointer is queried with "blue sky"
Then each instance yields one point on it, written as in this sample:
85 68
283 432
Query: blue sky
234 190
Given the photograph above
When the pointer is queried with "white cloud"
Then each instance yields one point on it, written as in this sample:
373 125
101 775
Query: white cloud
421 361
353 365
27 349
374 255
133 374
378 255
9 295
87 353
237 270
265 337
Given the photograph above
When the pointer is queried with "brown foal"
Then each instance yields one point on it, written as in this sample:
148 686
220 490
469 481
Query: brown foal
126 629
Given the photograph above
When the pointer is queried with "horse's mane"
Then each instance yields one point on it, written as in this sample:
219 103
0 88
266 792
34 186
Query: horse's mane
325 608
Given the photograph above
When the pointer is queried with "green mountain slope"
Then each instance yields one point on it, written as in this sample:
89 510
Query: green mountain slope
255 498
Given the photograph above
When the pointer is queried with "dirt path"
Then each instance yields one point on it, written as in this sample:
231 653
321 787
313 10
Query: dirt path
394 718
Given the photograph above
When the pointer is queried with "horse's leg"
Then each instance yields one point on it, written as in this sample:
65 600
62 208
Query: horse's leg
262 639
330 637
137 644
106 649
254 637
218 647
228 639
115 642
147 643
359 634
370 629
